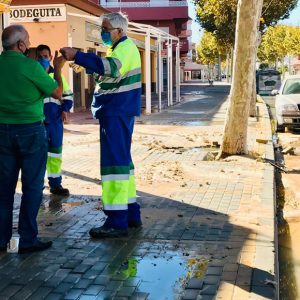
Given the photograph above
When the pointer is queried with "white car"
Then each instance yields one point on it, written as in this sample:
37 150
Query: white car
287 103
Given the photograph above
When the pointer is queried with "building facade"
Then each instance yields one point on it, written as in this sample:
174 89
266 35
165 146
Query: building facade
75 23
170 16
296 65
59 24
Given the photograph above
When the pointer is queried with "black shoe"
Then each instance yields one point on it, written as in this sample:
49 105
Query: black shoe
38 247
59 190
135 224
102 232
3 249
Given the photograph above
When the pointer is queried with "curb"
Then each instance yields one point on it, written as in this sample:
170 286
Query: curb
269 196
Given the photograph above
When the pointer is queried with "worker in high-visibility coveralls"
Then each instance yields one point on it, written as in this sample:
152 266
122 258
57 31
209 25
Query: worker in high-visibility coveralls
55 115
117 100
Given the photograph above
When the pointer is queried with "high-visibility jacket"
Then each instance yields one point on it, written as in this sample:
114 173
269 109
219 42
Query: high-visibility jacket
53 107
118 79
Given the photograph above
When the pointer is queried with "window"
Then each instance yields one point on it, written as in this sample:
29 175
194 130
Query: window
292 86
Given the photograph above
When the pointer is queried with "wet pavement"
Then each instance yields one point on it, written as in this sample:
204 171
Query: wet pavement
210 236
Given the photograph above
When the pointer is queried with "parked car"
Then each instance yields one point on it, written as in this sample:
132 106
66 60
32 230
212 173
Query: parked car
287 103
266 81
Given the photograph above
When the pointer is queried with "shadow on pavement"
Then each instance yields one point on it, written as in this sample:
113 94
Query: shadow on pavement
182 252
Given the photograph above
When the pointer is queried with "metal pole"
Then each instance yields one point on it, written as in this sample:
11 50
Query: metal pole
171 71
168 71
148 72
177 73
159 77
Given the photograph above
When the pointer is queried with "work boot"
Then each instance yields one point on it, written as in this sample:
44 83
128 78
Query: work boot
135 224
39 246
59 190
104 232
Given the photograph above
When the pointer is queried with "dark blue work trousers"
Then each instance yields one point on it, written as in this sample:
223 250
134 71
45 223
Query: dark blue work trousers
22 147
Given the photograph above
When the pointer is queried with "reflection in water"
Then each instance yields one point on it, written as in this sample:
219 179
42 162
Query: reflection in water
13 244
129 268
57 205
163 277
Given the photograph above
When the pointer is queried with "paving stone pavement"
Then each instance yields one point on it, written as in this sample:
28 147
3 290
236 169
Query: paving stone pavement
211 238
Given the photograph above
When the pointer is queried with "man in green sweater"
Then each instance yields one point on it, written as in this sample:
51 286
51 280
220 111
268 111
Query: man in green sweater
23 140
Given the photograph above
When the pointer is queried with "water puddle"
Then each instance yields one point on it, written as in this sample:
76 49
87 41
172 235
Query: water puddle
195 123
197 150
163 277
57 205
188 112
13 246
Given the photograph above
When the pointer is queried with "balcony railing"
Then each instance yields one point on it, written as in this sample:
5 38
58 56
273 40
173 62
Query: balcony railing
150 3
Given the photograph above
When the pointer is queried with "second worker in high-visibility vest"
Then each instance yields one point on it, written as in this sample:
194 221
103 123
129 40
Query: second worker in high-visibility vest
55 115
117 100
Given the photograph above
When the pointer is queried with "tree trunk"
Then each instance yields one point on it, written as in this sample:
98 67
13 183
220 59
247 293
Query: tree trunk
219 68
236 124
227 67
252 110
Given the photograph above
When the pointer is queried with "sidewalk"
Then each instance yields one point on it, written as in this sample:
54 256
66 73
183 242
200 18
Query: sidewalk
206 236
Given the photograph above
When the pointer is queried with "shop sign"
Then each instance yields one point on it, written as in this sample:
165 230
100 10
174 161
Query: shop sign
38 13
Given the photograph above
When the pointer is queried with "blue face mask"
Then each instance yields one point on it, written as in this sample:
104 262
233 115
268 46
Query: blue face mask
106 38
45 63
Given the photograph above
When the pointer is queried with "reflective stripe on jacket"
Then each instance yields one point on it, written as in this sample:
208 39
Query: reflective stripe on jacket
118 90
53 107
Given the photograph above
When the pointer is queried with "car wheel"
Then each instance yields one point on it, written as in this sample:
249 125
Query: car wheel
280 128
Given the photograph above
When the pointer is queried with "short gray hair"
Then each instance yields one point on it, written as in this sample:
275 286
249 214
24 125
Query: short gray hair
117 20
11 35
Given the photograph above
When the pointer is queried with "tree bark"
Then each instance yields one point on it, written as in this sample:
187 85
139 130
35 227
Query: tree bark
252 110
227 66
236 123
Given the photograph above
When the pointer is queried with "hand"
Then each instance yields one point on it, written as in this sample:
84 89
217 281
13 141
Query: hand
58 61
68 53
64 117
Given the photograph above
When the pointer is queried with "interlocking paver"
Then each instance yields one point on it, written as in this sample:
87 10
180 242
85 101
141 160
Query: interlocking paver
203 231
54 296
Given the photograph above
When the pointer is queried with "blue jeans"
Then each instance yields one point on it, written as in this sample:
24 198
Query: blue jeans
22 147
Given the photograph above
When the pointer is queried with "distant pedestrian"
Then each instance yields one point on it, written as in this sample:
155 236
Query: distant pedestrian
23 140
117 100
55 115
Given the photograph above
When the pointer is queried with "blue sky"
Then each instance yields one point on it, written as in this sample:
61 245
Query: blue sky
294 20
195 26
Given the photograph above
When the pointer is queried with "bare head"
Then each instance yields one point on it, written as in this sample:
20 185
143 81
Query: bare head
116 24
16 38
